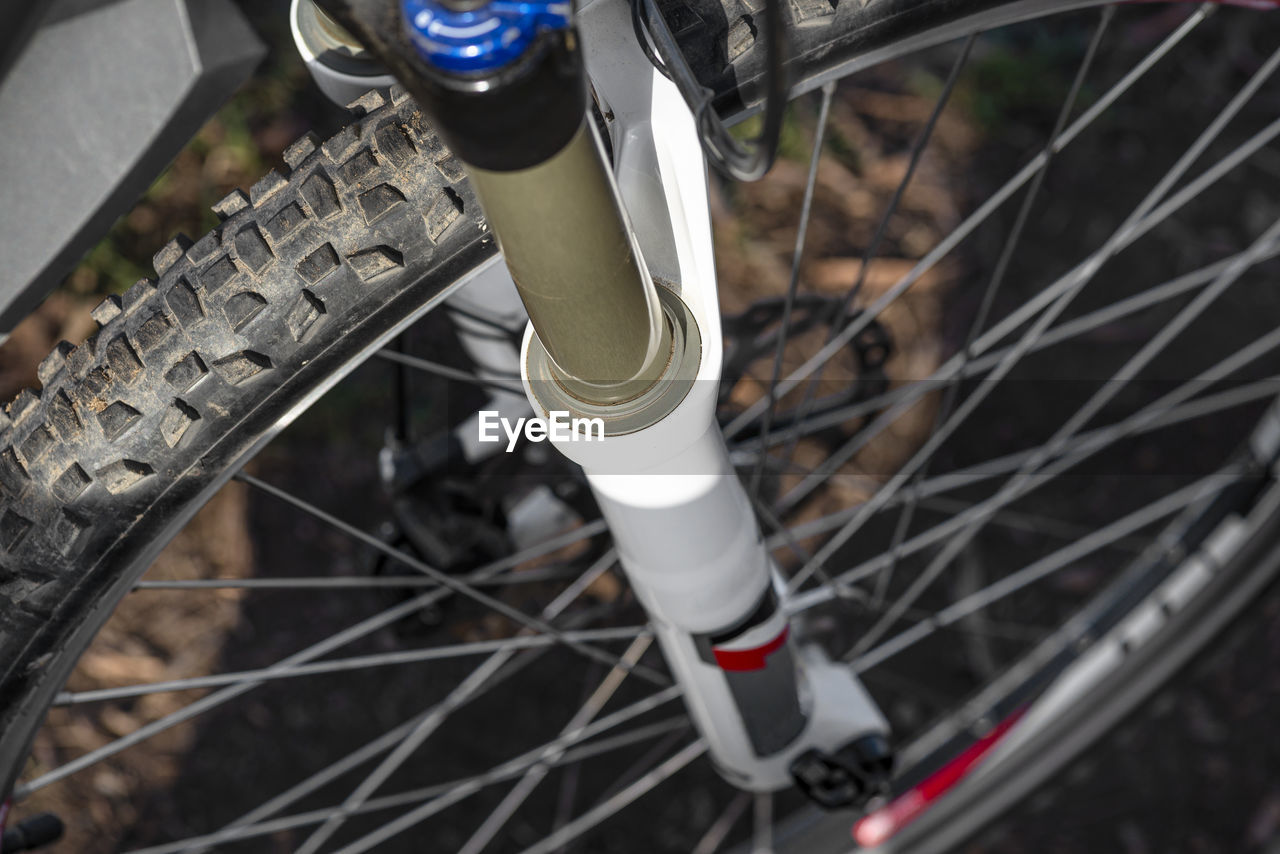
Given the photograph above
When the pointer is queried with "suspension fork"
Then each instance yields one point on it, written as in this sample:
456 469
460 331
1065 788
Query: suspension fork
624 327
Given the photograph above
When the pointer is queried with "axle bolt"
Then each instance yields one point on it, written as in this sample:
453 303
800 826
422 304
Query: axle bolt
849 777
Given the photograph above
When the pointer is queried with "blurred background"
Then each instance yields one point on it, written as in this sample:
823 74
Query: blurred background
1197 771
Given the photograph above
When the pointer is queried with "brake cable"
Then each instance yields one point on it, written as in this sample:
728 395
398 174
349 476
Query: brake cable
740 162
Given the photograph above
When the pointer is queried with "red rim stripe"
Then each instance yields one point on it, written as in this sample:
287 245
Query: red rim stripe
876 827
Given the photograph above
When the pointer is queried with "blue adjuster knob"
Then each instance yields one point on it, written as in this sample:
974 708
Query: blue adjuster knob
483 38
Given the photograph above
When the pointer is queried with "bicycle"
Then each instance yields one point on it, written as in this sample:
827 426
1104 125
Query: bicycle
311 273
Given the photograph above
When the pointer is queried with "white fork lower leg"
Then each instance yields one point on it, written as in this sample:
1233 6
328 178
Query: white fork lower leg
688 541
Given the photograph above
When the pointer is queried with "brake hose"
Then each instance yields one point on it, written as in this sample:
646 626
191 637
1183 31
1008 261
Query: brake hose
740 162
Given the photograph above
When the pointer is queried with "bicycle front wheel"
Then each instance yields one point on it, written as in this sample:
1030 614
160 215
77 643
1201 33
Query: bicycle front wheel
312 272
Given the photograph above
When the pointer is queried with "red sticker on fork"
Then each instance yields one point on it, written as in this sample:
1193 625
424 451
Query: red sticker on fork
756 658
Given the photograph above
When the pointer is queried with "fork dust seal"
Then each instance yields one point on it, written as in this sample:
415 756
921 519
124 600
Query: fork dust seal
759 664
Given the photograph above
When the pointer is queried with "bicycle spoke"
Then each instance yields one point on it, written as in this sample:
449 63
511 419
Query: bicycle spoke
204 704
458 697
571 779
856 595
499 325
1158 413
1053 562
537 550
341 665
836 590
782 536
762 823
1014 237
315 651
535 775
967 370
971 475
642 765
1011 243
1057 296
622 799
787 538
248 824
1034 523
714 837
456 791
439 370
459 792
1018 482
529 576
873 246
967 520
793 284
468 785
847 334
1135 227
459 586
1071 285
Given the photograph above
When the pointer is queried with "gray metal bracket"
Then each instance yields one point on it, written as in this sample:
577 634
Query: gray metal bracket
98 102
